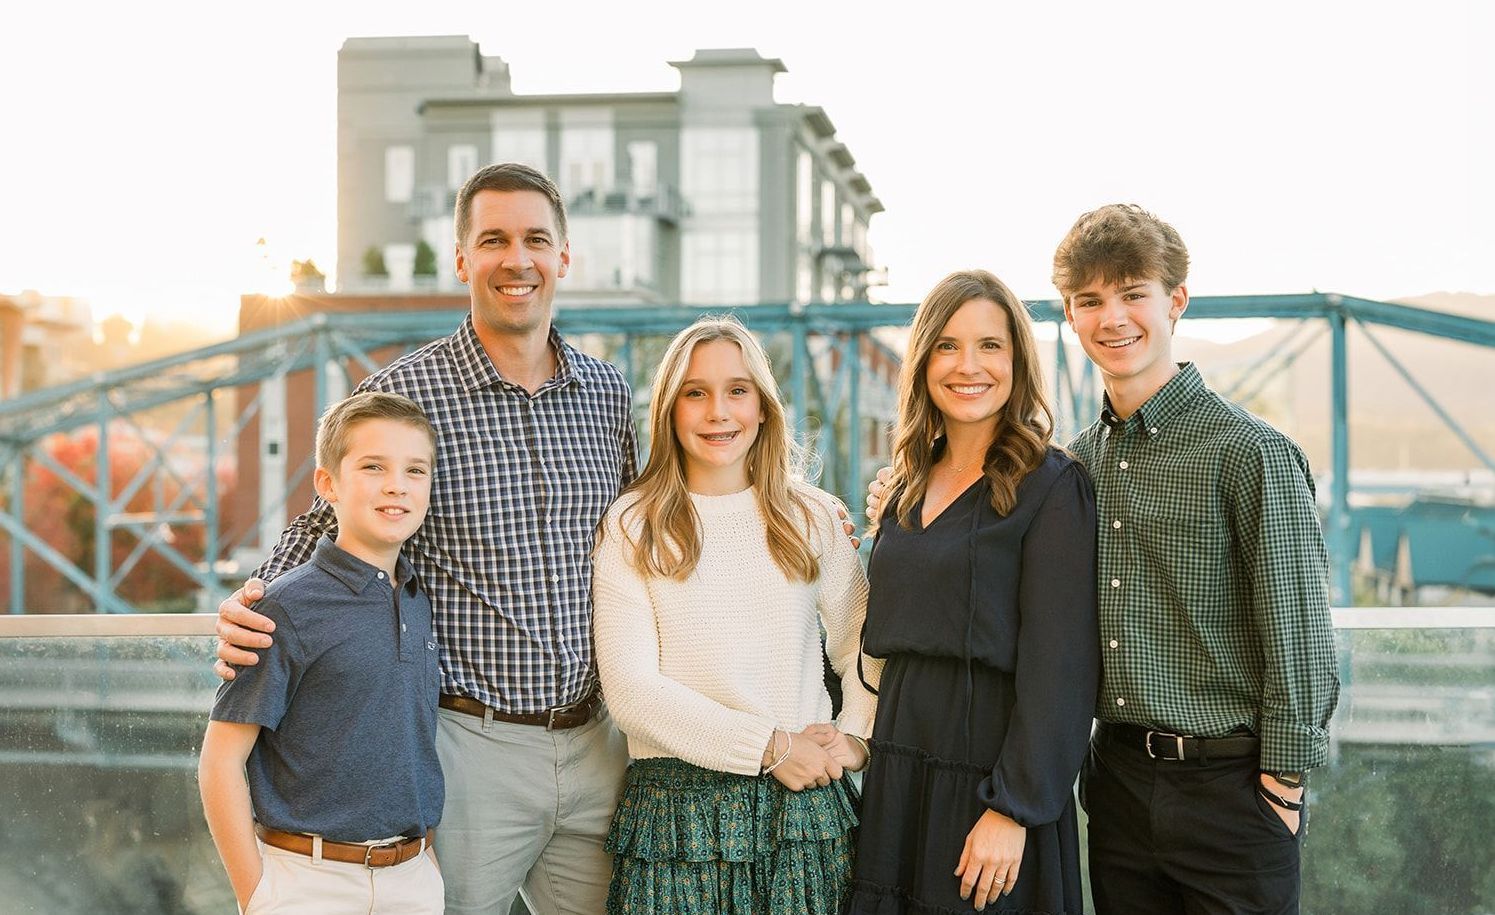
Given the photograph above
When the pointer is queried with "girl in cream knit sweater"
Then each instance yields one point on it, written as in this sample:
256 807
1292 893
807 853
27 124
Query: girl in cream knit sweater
714 575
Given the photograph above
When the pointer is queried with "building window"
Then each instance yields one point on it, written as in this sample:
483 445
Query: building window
519 136
399 173
586 152
721 267
804 201
719 169
643 167
827 213
461 162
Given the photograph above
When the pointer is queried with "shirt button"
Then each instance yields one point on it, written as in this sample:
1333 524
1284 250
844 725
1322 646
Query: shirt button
1122 465
1153 431
402 627
555 579
1113 643
380 576
1115 582
1120 701
1116 524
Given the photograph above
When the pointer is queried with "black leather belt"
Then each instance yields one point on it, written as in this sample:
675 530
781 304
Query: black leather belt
1162 745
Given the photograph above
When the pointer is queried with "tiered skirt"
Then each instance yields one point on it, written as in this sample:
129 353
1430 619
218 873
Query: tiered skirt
690 841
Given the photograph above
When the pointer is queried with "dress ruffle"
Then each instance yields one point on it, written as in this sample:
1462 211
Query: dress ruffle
690 841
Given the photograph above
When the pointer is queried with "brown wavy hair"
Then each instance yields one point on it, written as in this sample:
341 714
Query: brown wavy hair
1025 428
668 539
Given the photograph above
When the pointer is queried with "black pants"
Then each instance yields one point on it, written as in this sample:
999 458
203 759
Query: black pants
1189 837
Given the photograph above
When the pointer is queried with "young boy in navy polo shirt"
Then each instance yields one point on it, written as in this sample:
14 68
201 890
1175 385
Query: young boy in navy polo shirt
337 722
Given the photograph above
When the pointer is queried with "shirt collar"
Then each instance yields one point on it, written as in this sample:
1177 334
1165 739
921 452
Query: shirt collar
354 572
477 370
1161 408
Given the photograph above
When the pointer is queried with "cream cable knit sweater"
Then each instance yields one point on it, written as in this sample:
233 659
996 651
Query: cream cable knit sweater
704 669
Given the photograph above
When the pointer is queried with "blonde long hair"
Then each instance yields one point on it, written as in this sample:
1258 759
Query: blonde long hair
668 539
1024 429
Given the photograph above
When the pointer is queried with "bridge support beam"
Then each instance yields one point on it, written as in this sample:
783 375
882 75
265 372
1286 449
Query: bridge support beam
1341 550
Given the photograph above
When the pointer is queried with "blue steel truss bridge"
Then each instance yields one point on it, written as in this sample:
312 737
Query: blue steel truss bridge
188 413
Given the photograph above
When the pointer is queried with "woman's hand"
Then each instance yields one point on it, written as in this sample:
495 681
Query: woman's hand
991 857
808 764
876 489
851 754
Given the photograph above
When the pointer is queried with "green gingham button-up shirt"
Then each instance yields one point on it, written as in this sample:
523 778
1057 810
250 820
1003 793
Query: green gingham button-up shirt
1212 575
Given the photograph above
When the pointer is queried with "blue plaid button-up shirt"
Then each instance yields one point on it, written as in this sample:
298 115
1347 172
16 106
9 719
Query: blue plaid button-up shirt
520 484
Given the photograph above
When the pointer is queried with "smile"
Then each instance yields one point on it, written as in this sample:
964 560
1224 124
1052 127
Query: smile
516 290
970 390
1118 344
719 437
393 511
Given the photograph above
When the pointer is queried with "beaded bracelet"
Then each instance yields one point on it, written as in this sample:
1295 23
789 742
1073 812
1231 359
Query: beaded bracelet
788 745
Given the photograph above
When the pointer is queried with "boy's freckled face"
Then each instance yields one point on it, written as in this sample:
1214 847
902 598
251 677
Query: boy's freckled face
381 489
1126 328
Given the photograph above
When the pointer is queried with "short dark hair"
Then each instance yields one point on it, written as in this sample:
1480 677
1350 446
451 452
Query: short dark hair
507 176
338 422
1116 243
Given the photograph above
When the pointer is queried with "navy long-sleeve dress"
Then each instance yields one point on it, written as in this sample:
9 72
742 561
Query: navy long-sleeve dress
989 627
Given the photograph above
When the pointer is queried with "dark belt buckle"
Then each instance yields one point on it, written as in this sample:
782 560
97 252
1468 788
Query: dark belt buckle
1178 740
368 856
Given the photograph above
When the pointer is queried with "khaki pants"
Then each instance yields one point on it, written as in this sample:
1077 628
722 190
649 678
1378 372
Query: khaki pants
294 884
530 808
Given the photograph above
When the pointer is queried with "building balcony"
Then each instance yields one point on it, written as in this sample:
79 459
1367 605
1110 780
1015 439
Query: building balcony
101 719
664 203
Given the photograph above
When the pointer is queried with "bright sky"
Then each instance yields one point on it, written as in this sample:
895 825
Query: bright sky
1344 146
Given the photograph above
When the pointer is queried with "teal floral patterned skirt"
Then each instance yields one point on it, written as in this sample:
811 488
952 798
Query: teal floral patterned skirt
690 841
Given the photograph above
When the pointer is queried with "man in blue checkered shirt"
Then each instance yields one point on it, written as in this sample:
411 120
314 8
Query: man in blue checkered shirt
534 440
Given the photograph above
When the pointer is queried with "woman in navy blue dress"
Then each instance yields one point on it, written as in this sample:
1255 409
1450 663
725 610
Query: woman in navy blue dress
983 602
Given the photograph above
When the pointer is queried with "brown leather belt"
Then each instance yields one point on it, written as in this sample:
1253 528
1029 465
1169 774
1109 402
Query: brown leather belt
386 855
558 718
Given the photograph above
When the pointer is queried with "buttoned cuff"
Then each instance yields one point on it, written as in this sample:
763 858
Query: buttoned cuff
1291 746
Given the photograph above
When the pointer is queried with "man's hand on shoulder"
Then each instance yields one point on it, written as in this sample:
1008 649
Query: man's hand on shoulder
849 528
240 628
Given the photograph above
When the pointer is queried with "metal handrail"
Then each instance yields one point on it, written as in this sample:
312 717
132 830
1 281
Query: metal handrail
101 625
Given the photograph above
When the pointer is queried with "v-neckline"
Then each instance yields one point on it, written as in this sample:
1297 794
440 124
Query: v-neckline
949 505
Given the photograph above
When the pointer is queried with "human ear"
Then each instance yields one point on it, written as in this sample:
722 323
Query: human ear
325 484
1178 301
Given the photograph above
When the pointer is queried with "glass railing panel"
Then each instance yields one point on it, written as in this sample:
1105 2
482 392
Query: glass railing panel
98 784
99 737
1401 819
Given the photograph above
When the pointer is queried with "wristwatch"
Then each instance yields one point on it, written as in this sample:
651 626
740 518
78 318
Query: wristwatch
1286 779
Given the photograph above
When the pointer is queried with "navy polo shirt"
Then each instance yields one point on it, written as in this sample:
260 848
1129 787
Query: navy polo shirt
346 702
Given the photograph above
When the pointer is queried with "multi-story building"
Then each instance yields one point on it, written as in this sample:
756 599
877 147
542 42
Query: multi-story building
714 194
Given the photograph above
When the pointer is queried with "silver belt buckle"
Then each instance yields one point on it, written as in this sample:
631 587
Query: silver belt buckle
368 856
1178 740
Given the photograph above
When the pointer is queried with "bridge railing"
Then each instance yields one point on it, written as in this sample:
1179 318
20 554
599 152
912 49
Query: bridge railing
101 718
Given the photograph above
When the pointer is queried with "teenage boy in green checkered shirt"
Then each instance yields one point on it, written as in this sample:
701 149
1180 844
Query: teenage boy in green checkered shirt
1219 672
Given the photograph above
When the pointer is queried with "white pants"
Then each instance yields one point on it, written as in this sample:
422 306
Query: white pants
527 807
294 884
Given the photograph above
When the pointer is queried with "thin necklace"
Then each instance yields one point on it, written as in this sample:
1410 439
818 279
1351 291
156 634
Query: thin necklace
959 468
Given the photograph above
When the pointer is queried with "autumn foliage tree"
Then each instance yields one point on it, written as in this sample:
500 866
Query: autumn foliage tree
62 517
